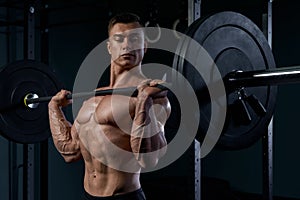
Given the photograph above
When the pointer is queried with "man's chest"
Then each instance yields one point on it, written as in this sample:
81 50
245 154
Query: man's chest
115 110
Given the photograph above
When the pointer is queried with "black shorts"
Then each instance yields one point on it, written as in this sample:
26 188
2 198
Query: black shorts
135 195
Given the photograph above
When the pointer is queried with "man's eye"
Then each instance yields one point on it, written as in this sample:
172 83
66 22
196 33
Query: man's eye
119 38
134 38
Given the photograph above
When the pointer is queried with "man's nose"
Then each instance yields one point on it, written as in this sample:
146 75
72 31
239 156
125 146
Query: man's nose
126 45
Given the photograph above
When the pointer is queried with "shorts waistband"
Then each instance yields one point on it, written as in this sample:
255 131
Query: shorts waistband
115 197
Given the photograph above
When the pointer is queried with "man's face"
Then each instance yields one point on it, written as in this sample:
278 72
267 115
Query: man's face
126 44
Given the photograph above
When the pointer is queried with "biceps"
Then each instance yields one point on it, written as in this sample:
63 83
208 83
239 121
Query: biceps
75 133
162 109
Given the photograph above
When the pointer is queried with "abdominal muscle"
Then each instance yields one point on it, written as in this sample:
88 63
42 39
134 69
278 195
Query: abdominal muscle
101 180
107 155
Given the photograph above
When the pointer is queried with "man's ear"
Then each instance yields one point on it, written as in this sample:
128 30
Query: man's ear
108 47
145 46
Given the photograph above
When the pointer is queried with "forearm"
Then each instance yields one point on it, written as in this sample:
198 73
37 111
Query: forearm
61 130
148 150
148 142
143 142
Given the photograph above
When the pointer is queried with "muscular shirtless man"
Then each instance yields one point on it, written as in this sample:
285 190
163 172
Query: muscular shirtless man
95 128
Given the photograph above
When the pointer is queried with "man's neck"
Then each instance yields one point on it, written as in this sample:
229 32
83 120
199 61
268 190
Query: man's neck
122 77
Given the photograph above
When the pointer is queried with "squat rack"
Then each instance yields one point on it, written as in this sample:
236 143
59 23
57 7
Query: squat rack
194 13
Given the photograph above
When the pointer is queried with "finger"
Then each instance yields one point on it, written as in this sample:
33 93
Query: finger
155 82
61 98
144 84
160 94
63 93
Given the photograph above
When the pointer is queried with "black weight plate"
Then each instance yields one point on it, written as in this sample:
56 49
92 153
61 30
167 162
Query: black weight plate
234 43
19 123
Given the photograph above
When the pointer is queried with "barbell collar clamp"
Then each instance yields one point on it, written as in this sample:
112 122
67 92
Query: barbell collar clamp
29 100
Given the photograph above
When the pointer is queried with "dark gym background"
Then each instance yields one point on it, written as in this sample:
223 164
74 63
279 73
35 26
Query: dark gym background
74 28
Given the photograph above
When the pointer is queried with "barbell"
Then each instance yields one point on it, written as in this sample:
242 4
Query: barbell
238 48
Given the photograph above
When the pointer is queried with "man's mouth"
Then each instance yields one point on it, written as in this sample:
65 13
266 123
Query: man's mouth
127 55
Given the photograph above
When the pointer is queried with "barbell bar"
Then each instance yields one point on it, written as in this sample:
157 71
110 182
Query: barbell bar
277 76
32 100
232 80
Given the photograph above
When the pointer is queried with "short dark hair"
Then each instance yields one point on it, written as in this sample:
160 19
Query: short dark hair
124 18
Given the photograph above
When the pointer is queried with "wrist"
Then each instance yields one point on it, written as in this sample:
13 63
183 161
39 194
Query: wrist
53 105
